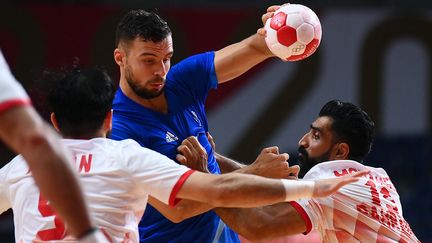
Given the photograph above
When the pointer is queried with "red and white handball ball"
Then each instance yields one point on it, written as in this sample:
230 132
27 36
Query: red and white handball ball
293 33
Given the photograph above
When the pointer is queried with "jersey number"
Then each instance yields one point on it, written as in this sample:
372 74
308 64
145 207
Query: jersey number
385 194
56 233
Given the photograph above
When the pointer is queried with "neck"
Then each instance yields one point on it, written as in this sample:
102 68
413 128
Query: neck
99 134
158 104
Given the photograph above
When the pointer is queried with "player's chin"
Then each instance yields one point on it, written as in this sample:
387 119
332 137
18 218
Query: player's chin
156 87
301 158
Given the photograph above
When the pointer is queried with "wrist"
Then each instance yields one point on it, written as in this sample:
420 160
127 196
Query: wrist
297 189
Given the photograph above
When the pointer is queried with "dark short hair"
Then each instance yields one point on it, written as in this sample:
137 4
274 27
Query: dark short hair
351 125
80 99
142 24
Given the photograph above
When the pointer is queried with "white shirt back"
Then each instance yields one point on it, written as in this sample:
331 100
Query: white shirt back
368 210
116 177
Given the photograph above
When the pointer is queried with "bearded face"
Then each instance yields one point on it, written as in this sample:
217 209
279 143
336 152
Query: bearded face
317 145
151 89
145 65
306 161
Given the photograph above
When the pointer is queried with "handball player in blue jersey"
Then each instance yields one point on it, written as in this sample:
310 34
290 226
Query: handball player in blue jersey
159 107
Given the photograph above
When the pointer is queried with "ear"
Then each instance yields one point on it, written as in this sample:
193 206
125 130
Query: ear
342 151
118 57
107 125
54 121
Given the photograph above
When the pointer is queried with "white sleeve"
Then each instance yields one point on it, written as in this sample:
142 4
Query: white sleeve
154 173
4 200
11 92
313 211
309 210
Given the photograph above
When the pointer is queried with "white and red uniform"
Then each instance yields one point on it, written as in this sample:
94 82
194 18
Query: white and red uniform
11 92
368 210
116 178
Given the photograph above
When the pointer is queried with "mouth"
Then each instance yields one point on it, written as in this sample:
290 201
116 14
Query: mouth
157 85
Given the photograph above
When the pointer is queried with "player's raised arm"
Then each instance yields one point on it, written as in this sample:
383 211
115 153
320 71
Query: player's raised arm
291 38
236 59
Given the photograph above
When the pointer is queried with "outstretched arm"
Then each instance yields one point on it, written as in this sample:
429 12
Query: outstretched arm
24 131
241 190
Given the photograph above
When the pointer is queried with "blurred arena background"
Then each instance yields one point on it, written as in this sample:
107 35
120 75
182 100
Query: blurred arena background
377 54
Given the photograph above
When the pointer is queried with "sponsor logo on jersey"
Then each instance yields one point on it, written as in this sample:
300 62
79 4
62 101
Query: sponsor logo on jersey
170 137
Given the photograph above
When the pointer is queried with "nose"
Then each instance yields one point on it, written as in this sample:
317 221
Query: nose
162 69
303 141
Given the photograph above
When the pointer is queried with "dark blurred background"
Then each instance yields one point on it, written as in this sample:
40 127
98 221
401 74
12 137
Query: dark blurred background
376 54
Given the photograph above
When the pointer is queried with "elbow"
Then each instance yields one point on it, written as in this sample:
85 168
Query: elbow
176 219
179 215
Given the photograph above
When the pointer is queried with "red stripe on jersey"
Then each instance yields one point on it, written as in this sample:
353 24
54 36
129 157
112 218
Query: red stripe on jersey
173 200
4 106
304 215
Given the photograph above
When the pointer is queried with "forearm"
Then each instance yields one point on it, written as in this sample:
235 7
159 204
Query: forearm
236 59
240 190
26 133
183 210
246 191
263 223
226 164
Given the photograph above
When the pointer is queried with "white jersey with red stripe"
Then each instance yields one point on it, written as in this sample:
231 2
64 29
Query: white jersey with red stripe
11 92
368 210
116 178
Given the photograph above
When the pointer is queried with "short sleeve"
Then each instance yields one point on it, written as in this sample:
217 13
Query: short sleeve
195 75
309 210
154 173
318 213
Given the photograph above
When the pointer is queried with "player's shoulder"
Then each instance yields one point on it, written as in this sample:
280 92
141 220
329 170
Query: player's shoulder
195 60
116 144
17 167
334 168
128 147
129 143
198 57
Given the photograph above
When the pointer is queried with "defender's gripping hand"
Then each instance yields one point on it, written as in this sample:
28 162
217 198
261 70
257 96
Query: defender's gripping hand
193 155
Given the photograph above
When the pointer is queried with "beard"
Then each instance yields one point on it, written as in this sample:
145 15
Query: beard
142 91
306 162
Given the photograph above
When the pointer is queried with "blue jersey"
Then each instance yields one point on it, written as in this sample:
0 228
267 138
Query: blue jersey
186 88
